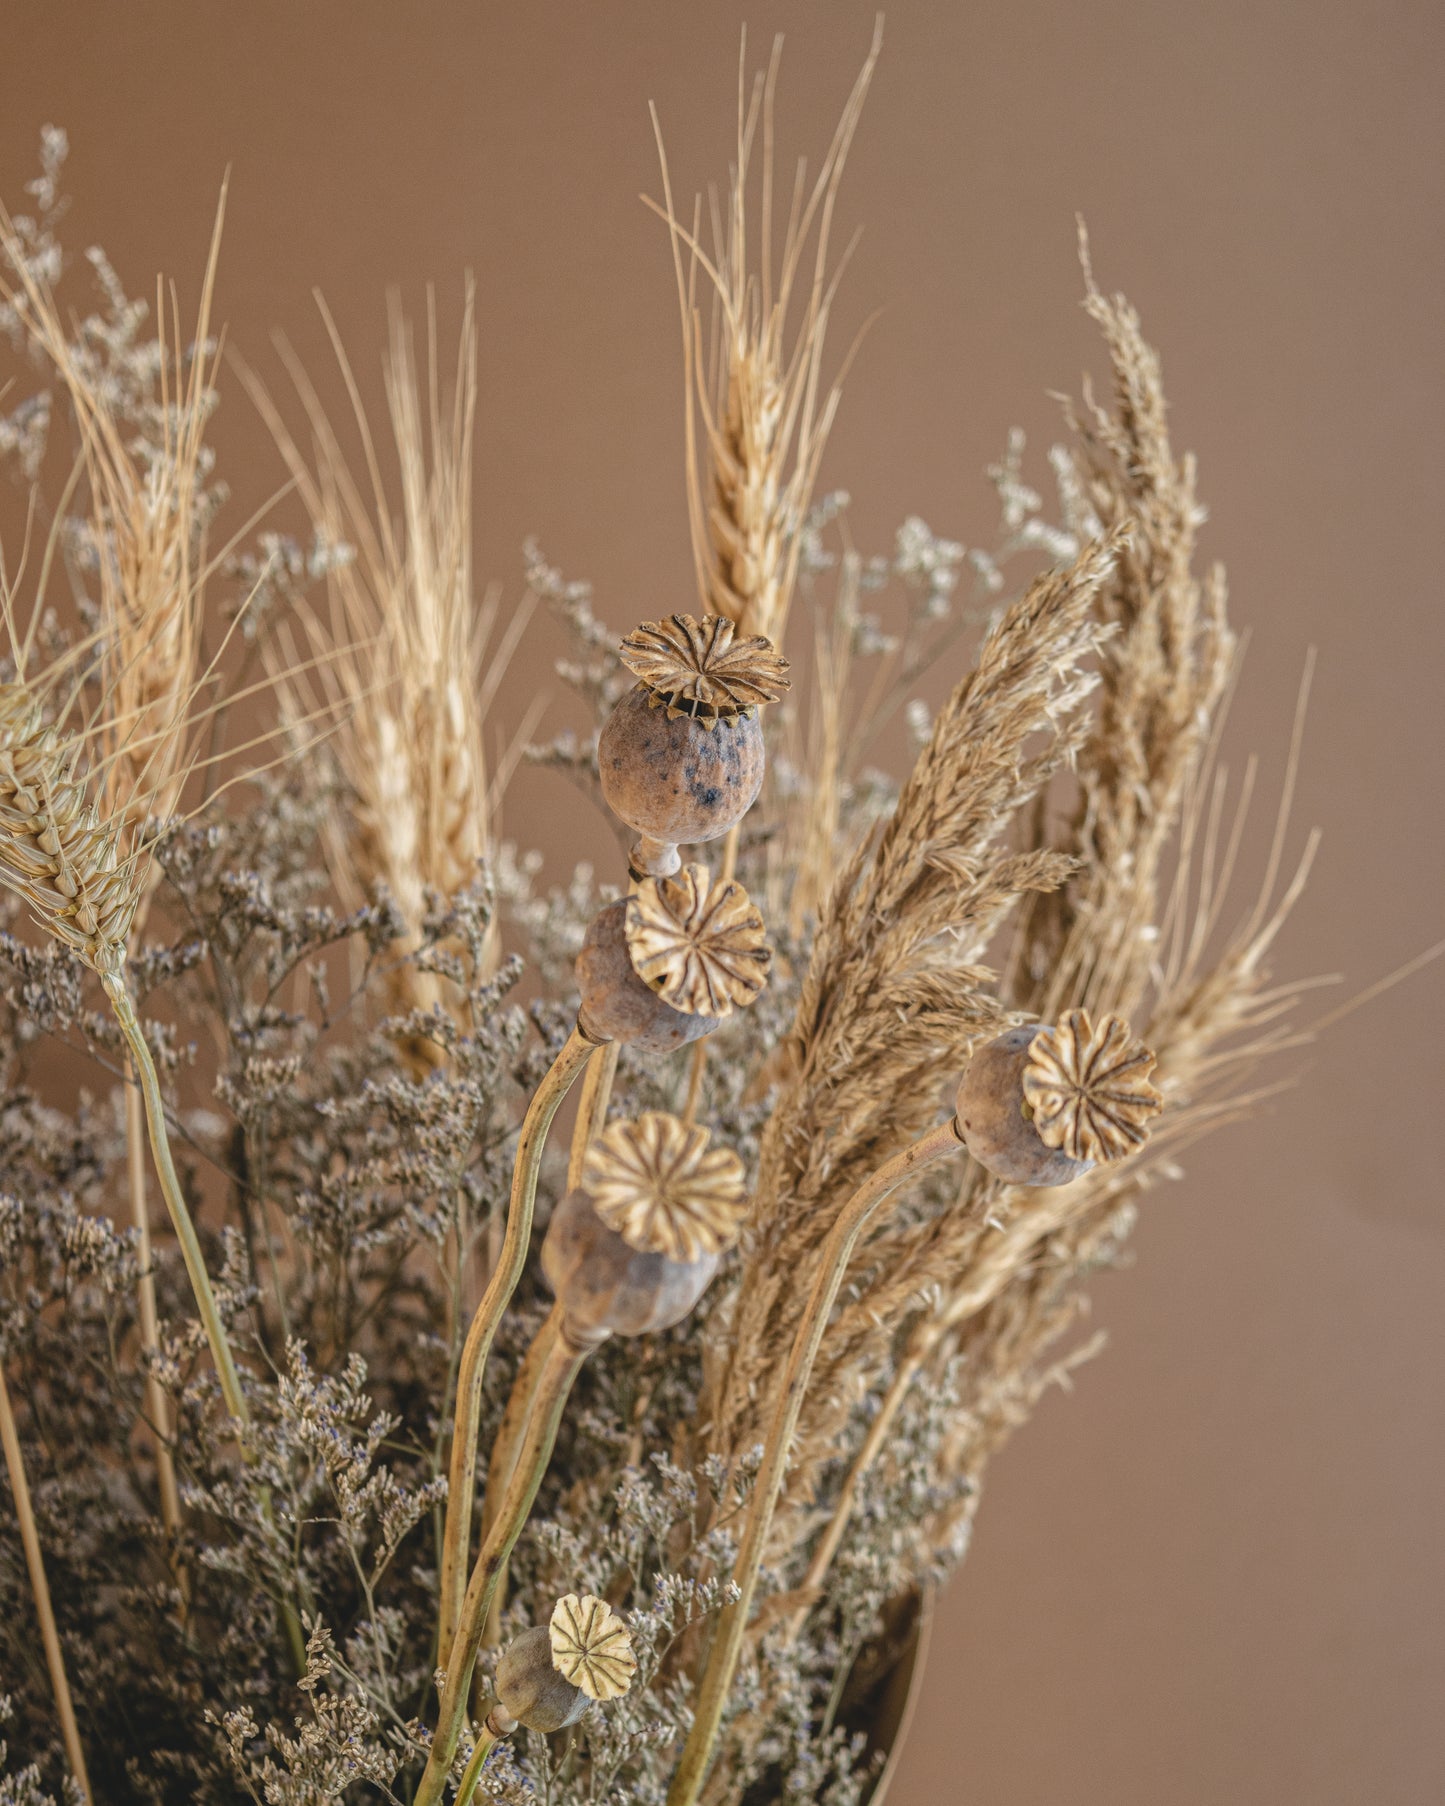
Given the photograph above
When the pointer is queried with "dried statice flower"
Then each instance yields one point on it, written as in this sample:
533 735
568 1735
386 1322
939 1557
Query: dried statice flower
1087 1087
701 946
664 1189
591 1646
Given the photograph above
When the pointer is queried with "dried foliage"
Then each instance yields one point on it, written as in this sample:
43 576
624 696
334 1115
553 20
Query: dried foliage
324 976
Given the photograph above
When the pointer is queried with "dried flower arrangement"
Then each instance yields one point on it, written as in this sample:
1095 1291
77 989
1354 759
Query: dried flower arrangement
435 1461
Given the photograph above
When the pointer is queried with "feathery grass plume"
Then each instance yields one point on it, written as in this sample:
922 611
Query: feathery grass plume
757 412
415 668
895 994
987 1283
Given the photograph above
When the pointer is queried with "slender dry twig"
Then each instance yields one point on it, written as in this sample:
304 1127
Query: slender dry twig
40 1587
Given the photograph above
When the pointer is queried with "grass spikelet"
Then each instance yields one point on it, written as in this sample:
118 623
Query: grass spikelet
74 864
988 1283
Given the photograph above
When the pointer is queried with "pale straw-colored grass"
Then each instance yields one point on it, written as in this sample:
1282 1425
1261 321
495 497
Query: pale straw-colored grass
144 546
414 657
758 407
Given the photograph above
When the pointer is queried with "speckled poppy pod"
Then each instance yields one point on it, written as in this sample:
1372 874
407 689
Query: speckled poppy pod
633 1248
1041 1106
663 967
681 756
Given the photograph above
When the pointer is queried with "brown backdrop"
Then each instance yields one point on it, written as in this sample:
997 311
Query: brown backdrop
1214 1573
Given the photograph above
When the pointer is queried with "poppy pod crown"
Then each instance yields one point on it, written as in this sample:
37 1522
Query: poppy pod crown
705 669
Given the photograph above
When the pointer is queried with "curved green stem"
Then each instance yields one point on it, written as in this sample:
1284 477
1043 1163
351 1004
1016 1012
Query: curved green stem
488 1737
564 1361
158 1409
592 1104
185 1229
503 1458
836 1252
457 1530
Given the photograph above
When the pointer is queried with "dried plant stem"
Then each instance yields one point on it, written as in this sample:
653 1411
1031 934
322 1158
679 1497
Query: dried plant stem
699 1053
50 1636
185 1229
919 1350
564 1361
592 1108
503 1458
833 1260
158 1409
487 1740
576 1051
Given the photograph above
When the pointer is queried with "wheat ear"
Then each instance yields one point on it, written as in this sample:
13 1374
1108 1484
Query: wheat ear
82 875
757 420
146 528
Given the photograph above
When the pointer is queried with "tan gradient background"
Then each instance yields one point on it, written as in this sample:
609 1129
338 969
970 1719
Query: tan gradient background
1214 1573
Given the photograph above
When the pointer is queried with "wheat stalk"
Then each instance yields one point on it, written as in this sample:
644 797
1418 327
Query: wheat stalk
413 664
145 532
40 1587
758 413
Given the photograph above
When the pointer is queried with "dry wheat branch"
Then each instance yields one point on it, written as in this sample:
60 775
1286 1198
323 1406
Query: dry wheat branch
758 409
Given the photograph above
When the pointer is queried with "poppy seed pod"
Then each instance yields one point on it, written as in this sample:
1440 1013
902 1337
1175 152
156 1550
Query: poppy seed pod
681 756
607 1287
995 1122
530 1689
616 1004
1040 1106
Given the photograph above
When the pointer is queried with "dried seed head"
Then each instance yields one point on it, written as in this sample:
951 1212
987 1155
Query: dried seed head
616 1004
1088 1088
674 780
705 668
663 1189
56 851
997 1127
591 1646
700 946
605 1286
531 1689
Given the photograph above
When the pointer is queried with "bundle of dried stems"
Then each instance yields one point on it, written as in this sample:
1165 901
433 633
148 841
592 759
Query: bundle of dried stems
637 1514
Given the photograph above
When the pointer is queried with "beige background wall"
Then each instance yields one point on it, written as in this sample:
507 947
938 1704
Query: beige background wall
1214 1573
